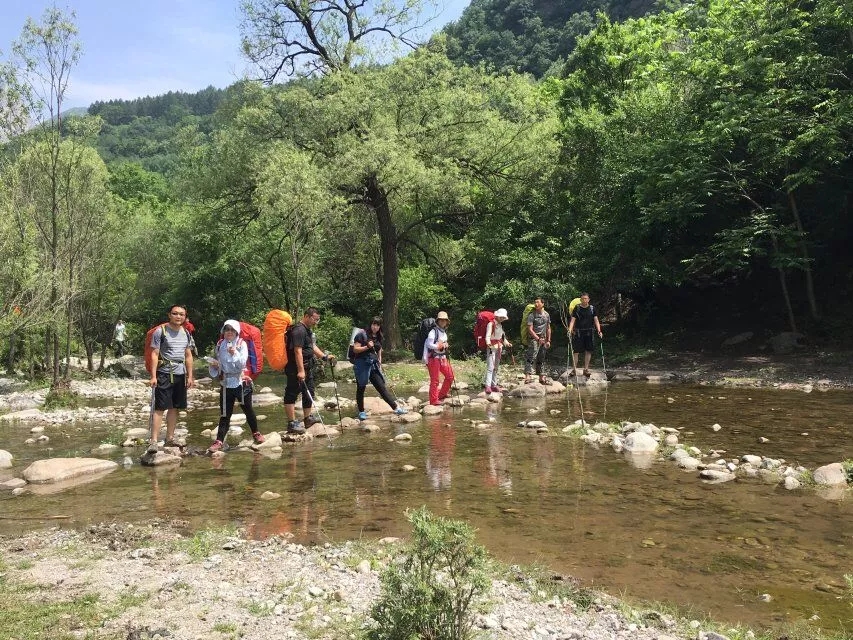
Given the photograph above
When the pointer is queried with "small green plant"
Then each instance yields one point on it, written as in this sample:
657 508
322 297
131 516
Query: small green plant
430 593
61 398
202 544
847 465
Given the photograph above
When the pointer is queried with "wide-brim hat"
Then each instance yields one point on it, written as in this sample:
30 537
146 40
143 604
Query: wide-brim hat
231 324
501 313
442 315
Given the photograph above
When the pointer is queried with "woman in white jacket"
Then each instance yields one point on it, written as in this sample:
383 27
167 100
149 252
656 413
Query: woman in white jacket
229 364
495 342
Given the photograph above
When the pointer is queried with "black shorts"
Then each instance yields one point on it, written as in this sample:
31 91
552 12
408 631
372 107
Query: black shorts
582 342
171 391
294 388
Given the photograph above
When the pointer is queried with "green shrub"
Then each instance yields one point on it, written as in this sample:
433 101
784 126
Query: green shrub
430 592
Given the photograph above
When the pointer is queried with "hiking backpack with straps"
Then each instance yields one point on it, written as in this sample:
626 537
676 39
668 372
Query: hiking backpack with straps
276 325
525 334
426 325
480 326
150 365
352 356
251 335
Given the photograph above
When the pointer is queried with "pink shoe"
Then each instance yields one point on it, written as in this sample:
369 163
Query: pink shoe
488 390
258 437
216 446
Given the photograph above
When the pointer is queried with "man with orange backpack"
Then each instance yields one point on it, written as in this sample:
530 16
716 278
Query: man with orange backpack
170 362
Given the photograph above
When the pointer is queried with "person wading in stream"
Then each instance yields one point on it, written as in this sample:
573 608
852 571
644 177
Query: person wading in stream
301 351
584 321
435 359
228 365
367 366
496 340
539 328
172 374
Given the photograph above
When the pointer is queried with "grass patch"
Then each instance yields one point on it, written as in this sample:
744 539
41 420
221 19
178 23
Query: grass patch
201 545
543 584
61 399
847 465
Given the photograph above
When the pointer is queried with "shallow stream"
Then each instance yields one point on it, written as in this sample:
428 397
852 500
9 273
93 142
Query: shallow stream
656 534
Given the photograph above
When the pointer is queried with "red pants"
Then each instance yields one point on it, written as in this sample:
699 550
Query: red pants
437 366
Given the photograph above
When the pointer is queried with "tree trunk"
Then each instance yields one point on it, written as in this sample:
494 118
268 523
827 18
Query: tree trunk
783 282
804 250
377 199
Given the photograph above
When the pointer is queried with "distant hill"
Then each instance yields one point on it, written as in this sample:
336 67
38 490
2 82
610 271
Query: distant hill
75 111
143 130
530 36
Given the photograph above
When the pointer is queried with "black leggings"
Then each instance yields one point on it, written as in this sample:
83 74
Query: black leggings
379 384
226 409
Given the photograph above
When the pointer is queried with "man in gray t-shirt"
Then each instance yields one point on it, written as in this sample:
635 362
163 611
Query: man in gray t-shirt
539 329
171 361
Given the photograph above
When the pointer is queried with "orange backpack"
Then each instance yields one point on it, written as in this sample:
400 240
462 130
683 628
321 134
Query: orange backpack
276 325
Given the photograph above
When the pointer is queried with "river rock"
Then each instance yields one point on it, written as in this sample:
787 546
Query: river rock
710 635
265 399
408 418
270 440
105 448
755 461
715 427
792 483
403 437
408 467
688 463
13 483
35 430
678 454
716 475
830 474
53 470
159 459
26 414
376 406
535 424
458 399
414 402
531 390
270 495
670 440
321 431
432 409
785 342
639 442
591 437
5 459
369 428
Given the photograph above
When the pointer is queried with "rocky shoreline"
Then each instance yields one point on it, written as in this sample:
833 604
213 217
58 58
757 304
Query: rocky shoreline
151 581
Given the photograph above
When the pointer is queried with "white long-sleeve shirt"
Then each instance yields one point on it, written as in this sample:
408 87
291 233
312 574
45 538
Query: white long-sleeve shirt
435 335
230 366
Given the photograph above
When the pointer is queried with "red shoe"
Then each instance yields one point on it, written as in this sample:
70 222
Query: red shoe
258 437
488 390
216 446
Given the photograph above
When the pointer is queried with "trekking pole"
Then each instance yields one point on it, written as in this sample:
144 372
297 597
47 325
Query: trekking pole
606 381
314 404
577 384
603 366
453 386
337 398
151 417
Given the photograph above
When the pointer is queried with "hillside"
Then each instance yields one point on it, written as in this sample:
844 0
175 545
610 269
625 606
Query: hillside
529 36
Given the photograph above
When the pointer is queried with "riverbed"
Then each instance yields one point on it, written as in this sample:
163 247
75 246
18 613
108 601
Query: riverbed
656 533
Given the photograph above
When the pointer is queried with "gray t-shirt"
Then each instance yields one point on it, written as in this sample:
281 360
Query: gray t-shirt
173 352
540 322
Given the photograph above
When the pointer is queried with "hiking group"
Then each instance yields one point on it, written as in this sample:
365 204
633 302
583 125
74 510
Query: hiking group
292 348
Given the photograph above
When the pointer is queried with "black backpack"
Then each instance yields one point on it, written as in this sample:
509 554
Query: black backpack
351 354
426 325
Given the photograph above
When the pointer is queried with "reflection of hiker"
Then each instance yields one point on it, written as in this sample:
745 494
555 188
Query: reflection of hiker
539 331
118 337
301 350
584 321
496 340
435 358
229 364
367 365
172 366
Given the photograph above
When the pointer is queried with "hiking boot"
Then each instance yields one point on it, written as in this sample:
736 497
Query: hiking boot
399 411
295 427
258 437
362 415
587 373
572 373
543 380
314 418
216 446
152 448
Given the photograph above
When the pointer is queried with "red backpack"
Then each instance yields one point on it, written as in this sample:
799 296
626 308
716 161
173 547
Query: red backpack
483 320
251 335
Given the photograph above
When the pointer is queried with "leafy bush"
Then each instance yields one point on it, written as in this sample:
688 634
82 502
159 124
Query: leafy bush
333 333
429 593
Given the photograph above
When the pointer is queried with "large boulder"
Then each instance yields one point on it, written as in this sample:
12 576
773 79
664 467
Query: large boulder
25 414
5 459
271 440
830 474
60 469
531 390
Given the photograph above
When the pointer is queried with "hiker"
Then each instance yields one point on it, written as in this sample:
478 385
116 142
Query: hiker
229 365
436 360
172 374
118 337
584 321
539 330
496 340
301 350
367 365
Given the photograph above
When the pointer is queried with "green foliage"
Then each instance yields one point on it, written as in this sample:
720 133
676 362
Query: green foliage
421 295
60 398
333 333
847 465
431 591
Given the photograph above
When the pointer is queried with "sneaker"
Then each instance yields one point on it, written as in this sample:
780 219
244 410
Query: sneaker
572 373
587 373
152 448
399 411
314 418
258 437
294 426
488 390
216 446
543 380
362 415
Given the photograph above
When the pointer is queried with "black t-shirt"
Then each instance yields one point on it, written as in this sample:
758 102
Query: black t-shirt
300 336
583 318
362 338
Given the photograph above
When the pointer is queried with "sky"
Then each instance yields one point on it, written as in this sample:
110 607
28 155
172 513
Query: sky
133 48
